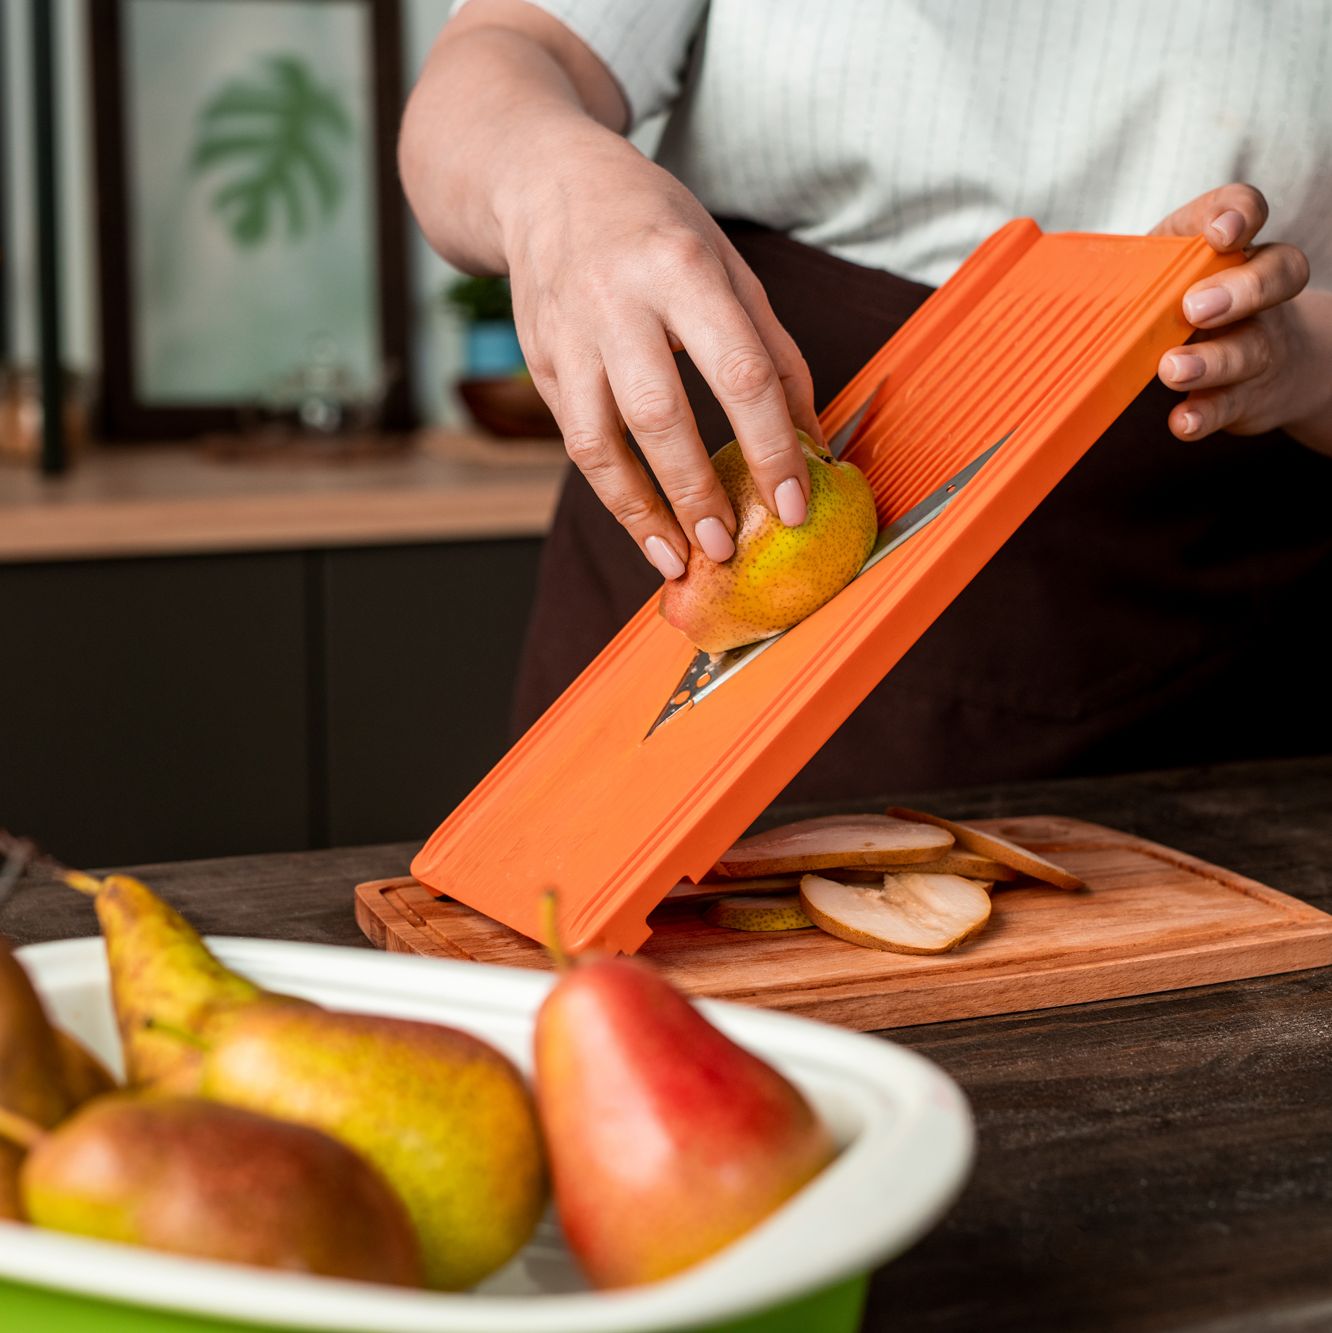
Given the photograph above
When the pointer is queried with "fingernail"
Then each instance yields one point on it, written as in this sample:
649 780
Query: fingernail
662 554
792 507
1184 368
714 539
1190 422
1207 304
1227 226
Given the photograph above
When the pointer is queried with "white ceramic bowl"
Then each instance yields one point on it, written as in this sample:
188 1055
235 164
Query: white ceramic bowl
905 1126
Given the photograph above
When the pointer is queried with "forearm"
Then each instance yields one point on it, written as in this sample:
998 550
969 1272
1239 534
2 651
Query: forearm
496 109
1311 422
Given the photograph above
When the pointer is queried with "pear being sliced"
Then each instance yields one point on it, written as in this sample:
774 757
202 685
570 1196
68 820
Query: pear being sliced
911 913
999 849
834 842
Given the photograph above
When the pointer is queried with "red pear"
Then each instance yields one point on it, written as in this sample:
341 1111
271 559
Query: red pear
667 1141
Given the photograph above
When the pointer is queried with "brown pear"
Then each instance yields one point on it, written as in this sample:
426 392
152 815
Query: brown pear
11 1158
778 575
194 1177
44 1072
86 1076
32 1070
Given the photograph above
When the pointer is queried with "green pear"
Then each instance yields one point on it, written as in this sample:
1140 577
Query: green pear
163 980
444 1116
193 1177
667 1140
778 575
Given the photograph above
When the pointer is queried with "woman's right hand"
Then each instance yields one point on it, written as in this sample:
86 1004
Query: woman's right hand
615 266
513 158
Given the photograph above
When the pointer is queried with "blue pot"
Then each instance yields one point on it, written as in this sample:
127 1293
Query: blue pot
492 348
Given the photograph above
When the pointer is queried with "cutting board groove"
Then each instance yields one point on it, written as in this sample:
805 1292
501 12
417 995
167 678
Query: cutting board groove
1153 919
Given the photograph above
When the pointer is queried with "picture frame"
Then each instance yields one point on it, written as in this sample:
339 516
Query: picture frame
251 230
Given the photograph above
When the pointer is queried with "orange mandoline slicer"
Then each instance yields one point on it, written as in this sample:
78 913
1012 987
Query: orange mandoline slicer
1039 341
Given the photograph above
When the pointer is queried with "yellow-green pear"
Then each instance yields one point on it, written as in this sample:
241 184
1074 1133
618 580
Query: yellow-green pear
778 575
445 1117
164 980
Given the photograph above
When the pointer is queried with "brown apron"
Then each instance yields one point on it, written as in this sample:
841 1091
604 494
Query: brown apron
1160 608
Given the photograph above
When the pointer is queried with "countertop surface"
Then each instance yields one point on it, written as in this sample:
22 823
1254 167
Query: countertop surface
232 494
1157 1163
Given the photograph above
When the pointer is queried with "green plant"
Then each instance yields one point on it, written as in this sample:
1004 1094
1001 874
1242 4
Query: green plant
285 134
480 299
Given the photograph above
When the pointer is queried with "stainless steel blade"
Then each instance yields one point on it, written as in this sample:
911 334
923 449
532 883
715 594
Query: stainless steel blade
709 670
839 442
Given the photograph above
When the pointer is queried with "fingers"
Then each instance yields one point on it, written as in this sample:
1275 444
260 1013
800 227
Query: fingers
1229 381
1274 274
791 369
646 385
1229 217
1241 353
594 440
731 357
1200 414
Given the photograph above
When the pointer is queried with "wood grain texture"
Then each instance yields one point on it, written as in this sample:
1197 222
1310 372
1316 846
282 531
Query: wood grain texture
174 500
1153 919
1153 1164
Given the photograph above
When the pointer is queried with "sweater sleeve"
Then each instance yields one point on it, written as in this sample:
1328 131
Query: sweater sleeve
644 43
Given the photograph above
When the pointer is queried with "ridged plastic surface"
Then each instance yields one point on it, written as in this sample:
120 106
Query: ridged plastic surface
1046 337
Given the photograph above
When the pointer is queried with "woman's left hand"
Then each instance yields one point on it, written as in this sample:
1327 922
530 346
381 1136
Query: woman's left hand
1252 366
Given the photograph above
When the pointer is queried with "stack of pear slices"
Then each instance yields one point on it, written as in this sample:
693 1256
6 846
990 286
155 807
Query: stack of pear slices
903 881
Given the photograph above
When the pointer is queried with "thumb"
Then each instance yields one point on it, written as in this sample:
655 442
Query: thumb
1229 217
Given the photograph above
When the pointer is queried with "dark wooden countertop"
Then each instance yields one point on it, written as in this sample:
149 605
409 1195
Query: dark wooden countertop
1162 1163
164 499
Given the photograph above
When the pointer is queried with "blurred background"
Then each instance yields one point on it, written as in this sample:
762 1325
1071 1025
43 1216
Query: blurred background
265 573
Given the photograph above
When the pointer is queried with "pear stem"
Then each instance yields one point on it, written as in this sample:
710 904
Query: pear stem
179 1034
550 930
18 1129
83 882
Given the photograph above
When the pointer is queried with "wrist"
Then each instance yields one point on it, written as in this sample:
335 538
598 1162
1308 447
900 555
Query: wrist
556 162
1310 420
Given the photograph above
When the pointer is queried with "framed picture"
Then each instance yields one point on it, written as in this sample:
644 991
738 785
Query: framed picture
251 229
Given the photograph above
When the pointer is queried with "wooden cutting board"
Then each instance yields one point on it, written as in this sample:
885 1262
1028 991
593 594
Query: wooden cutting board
1152 919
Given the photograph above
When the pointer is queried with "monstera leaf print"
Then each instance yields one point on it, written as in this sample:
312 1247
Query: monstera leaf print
278 142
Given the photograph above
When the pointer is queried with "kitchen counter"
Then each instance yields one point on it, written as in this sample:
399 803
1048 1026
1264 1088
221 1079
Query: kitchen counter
1157 1163
228 495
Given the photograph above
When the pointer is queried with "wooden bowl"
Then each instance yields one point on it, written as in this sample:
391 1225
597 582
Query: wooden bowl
508 406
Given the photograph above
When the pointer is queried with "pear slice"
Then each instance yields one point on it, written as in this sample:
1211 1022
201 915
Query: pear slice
970 865
834 842
773 911
999 849
711 888
911 913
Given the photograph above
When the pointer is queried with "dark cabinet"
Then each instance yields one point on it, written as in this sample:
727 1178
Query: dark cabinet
166 708
155 709
421 647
